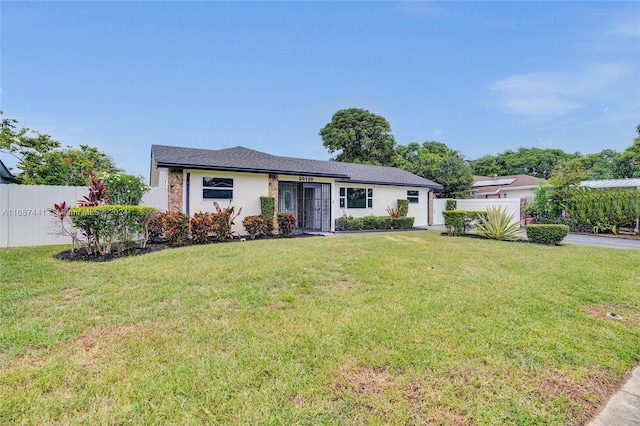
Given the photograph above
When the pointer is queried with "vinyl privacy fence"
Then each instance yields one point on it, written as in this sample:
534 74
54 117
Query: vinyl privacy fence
26 221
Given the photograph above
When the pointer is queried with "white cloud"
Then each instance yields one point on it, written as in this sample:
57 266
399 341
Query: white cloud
546 93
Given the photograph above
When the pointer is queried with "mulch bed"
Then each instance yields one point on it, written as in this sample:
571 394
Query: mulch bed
80 254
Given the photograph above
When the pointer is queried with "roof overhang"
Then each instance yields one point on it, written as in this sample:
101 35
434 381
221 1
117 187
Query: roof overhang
249 170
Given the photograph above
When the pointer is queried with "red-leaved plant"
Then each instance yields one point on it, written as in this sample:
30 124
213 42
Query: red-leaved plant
97 192
63 223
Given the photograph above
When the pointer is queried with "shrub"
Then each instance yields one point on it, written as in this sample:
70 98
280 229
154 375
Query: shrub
268 211
103 225
403 206
546 234
176 228
498 224
394 212
254 225
458 222
156 226
201 227
605 209
286 223
373 222
452 204
125 189
223 220
63 225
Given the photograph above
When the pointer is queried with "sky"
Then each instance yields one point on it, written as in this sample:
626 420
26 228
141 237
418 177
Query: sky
482 77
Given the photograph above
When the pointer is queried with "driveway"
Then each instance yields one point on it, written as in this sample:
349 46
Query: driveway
584 240
594 240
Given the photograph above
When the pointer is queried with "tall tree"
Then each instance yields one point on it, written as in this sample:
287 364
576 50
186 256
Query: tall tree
21 142
68 166
358 136
435 161
627 164
529 161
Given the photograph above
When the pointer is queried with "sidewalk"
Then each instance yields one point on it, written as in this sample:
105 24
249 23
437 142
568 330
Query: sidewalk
623 409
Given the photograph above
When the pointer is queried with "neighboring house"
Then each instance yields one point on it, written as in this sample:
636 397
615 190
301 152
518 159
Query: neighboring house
6 176
515 186
316 192
612 183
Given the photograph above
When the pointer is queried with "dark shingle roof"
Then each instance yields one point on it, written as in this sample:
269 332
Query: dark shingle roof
241 159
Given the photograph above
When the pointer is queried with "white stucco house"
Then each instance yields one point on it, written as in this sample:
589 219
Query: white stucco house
316 192
513 186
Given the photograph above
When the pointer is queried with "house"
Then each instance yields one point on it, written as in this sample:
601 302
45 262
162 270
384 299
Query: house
514 186
316 192
6 176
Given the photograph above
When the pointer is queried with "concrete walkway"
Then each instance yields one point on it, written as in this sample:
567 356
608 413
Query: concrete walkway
623 409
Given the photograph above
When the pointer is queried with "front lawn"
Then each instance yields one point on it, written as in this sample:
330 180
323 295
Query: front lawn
393 328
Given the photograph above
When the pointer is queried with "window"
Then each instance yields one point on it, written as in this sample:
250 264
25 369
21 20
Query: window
220 188
356 198
413 197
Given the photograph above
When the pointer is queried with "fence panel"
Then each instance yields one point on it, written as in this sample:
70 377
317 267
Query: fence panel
24 217
512 205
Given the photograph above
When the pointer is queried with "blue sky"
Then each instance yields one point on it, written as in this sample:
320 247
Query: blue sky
481 77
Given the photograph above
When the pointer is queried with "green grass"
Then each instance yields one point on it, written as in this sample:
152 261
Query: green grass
393 328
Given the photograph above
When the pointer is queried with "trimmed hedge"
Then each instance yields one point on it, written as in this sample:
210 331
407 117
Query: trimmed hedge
268 213
458 222
403 206
546 234
373 222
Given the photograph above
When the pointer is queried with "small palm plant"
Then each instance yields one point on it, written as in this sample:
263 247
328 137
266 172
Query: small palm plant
498 225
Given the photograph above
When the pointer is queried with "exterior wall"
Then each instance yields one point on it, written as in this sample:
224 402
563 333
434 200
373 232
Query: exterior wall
517 193
247 190
385 196
25 220
510 193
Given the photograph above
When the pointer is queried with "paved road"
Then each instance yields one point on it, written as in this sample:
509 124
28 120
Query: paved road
594 240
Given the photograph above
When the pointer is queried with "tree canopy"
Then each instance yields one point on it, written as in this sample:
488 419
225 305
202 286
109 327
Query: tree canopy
535 162
23 142
41 162
359 136
435 161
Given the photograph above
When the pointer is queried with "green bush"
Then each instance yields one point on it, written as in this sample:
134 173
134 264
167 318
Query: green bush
403 206
605 209
124 189
452 204
498 224
374 222
268 213
104 225
286 223
458 222
254 225
546 234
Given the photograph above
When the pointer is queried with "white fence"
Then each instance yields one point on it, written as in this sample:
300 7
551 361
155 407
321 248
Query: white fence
26 221
440 204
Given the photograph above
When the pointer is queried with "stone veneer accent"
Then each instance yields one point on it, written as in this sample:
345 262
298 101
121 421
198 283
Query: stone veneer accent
273 192
430 208
176 180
